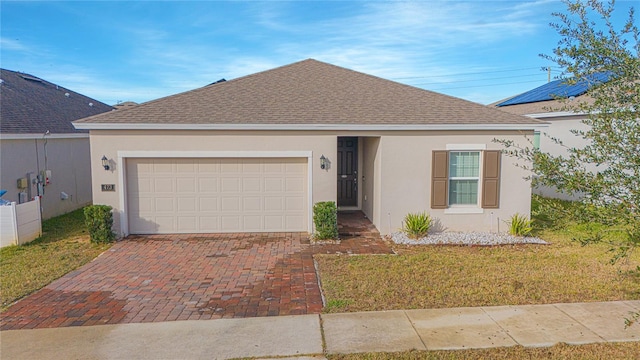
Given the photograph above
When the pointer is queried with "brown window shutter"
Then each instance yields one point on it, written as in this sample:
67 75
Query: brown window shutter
491 180
439 179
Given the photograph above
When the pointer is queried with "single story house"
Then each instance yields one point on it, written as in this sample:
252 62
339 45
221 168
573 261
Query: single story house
254 154
41 153
548 103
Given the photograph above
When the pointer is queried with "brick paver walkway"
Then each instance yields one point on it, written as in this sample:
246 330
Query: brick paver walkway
186 277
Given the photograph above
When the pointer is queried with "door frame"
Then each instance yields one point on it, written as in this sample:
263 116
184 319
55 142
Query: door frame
122 176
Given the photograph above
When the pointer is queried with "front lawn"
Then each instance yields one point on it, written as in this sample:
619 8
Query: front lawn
427 276
628 350
63 247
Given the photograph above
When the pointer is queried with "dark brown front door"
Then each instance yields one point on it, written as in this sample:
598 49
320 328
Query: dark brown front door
347 171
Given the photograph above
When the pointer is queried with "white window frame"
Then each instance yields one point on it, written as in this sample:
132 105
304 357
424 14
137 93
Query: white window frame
466 208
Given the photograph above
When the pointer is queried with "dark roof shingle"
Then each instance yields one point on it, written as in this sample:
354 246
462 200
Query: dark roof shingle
29 104
309 92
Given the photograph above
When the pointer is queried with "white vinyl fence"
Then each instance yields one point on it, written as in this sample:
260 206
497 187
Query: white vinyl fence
20 223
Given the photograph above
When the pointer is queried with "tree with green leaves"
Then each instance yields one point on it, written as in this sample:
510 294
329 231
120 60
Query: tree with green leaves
605 173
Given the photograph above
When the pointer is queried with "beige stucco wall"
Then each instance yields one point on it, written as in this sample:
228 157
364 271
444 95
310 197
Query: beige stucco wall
396 167
370 179
561 128
69 162
406 181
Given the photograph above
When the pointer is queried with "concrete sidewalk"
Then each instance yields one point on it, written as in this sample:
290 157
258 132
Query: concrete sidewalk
301 336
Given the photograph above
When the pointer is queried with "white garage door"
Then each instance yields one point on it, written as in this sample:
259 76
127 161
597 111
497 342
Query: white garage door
200 195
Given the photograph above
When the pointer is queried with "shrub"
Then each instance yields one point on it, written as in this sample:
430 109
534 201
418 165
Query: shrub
325 218
99 220
417 225
519 225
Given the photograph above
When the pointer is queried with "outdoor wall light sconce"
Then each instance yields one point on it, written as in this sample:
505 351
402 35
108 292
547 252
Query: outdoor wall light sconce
323 162
105 163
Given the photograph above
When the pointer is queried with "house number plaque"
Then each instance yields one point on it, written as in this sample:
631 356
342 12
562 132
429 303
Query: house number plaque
108 187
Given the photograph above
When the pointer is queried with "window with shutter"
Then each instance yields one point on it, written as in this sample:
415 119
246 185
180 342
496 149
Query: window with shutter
456 180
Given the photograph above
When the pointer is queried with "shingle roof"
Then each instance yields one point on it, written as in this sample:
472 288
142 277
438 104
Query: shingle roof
308 92
29 104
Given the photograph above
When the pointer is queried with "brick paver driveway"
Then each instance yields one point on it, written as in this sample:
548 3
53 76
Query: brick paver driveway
186 277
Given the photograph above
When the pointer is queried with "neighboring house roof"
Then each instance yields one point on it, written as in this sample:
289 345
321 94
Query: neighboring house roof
550 97
125 105
31 105
305 94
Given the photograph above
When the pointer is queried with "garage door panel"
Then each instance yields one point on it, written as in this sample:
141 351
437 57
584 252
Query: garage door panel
251 167
208 166
273 203
163 166
252 203
251 184
273 167
252 223
209 223
294 203
140 185
294 221
186 167
186 185
165 224
230 184
217 195
230 166
164 205
273 185
230 203
187 204
294 184
208 204
163 185
296 168
208 185
274 221
230 223
187 223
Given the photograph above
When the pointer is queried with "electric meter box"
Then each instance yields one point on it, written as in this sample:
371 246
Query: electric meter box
23 183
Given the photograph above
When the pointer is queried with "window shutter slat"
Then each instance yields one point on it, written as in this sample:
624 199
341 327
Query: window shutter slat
439 179
491 180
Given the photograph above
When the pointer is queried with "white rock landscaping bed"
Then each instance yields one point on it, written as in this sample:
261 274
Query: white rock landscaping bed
471 238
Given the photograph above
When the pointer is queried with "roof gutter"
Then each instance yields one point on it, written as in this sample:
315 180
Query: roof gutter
555 114
4 136
297 127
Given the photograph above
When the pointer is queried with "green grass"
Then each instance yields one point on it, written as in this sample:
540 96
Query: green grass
63 247
457 276
630 350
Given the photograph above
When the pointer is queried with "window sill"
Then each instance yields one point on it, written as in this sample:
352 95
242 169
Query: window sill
464 210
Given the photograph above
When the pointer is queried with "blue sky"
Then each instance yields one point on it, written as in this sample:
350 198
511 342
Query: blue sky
113 51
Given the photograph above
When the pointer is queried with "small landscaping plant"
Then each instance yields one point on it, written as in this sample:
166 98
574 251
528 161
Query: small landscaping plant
99 219
325 218
520 225
417 225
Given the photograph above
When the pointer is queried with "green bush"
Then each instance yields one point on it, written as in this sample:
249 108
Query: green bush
99 220
519 225
325 218
417 225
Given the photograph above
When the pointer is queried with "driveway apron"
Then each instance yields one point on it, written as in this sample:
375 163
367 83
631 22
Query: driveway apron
186 277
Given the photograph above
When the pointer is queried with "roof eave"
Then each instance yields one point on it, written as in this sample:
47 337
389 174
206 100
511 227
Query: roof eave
37 136
326 127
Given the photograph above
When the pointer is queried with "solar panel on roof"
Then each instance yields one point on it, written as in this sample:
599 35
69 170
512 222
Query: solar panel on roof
556 89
